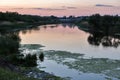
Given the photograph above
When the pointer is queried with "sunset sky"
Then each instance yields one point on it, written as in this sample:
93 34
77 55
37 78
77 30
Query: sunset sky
61 7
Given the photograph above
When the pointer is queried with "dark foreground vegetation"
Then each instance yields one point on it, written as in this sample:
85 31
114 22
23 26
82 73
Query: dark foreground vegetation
10 75
13 64
10 57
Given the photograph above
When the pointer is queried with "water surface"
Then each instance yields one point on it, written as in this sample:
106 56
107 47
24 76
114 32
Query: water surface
71 52
67 38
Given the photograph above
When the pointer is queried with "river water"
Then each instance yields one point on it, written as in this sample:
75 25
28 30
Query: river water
70 40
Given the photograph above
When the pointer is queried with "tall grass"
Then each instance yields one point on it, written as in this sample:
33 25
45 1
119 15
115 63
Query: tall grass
8 75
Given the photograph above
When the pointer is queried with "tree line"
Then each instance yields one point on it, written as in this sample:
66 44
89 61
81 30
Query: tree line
14 16
98 21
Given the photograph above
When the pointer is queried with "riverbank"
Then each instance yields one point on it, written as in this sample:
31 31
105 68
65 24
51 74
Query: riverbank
23 73
7 26
12 63
10 75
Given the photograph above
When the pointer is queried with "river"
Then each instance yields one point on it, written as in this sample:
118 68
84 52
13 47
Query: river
99 62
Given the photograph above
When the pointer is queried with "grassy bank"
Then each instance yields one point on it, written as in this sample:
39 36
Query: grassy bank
14 26
12 63
6 74
9 75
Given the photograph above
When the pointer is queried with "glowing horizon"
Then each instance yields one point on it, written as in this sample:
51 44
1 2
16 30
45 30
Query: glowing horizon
61 7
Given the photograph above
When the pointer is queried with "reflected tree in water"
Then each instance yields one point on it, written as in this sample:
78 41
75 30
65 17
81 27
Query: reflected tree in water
41 57
70 25
95 38
104 30
106 41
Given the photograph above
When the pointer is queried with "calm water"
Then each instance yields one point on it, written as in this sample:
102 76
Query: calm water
73 40
67 38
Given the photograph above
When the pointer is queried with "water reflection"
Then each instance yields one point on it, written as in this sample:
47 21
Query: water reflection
29 30
101 67
108 37
32 49
98 39
41 57
78 39
52 26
